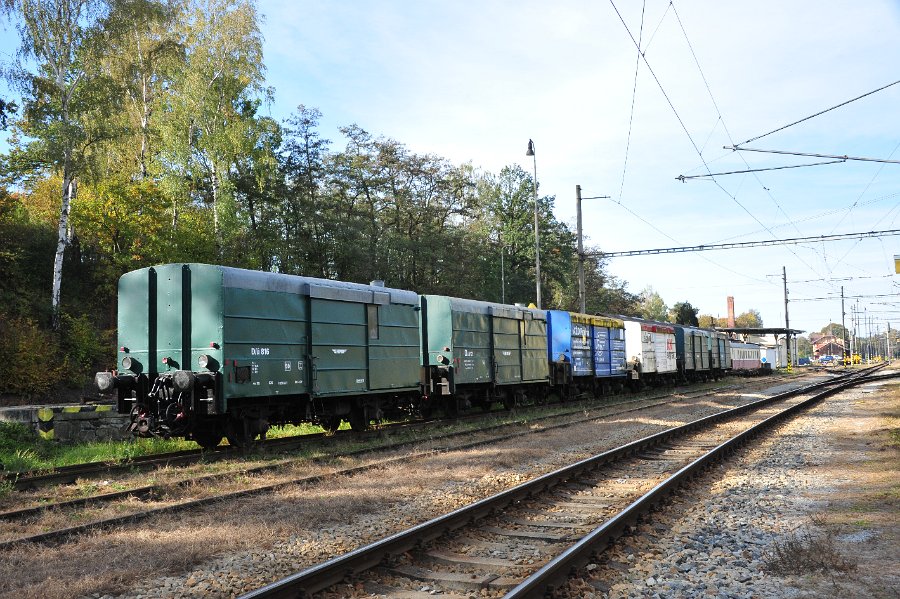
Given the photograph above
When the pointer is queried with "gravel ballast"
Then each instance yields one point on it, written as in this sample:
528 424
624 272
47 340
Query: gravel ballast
244 545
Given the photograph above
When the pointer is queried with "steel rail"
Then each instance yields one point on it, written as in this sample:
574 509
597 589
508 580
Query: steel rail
541 583
33 479
149 491
331 572
60 535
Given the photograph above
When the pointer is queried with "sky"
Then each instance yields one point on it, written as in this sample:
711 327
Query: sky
473 81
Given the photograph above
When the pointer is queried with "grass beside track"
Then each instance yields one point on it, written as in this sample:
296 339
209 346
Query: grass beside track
21 450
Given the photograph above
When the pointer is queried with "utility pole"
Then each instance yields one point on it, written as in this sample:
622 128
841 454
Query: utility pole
868 326
580 234
890 356
844 329
787 322
581 298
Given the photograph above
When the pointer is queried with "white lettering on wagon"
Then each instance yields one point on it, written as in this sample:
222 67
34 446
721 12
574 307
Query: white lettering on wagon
259 351
339 351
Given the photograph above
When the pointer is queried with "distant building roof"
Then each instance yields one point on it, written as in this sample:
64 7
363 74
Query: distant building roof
761 330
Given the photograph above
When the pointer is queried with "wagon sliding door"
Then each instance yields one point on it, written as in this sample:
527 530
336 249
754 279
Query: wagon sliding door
506 335
338 335
519 346
360 342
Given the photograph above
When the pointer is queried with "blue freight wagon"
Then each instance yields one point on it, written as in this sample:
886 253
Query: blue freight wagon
586 353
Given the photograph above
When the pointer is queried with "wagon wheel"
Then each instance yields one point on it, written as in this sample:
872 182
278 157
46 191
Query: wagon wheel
207 439
330 423
451 407
238 435
359 418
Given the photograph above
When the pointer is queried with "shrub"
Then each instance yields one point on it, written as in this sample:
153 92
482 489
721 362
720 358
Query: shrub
83 348
14 436
28 357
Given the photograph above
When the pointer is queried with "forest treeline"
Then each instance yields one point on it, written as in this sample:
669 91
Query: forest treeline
138 135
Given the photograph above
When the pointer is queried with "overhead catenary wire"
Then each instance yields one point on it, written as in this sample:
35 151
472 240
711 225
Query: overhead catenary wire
688 134
641 55
637 65
821 112
863 192
834 297
813 217
684 178
712 98
837 157
743 244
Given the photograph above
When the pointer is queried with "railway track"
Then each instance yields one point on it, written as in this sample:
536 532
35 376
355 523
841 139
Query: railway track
22 520
61 475
524 541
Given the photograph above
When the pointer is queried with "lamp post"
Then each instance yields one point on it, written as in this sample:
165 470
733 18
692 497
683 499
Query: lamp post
537 235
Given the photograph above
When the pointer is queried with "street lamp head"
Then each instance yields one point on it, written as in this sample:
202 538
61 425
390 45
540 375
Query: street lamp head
530 151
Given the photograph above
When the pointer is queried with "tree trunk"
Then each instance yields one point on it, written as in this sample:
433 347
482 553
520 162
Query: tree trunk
68 190
215 199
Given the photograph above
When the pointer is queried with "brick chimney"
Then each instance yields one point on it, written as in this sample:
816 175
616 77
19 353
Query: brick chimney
731 311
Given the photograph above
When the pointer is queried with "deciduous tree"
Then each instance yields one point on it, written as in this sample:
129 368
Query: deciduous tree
66 99
685 313
652 306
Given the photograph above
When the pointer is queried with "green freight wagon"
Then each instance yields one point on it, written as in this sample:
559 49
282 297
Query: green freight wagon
476 353
210 351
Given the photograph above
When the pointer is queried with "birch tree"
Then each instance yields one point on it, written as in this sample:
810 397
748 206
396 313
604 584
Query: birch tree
223 72
144 52
65 101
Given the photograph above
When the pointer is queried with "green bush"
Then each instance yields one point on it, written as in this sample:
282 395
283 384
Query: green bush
83 348
28 357
14 436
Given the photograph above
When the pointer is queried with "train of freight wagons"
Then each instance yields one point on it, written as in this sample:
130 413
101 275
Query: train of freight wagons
211 352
